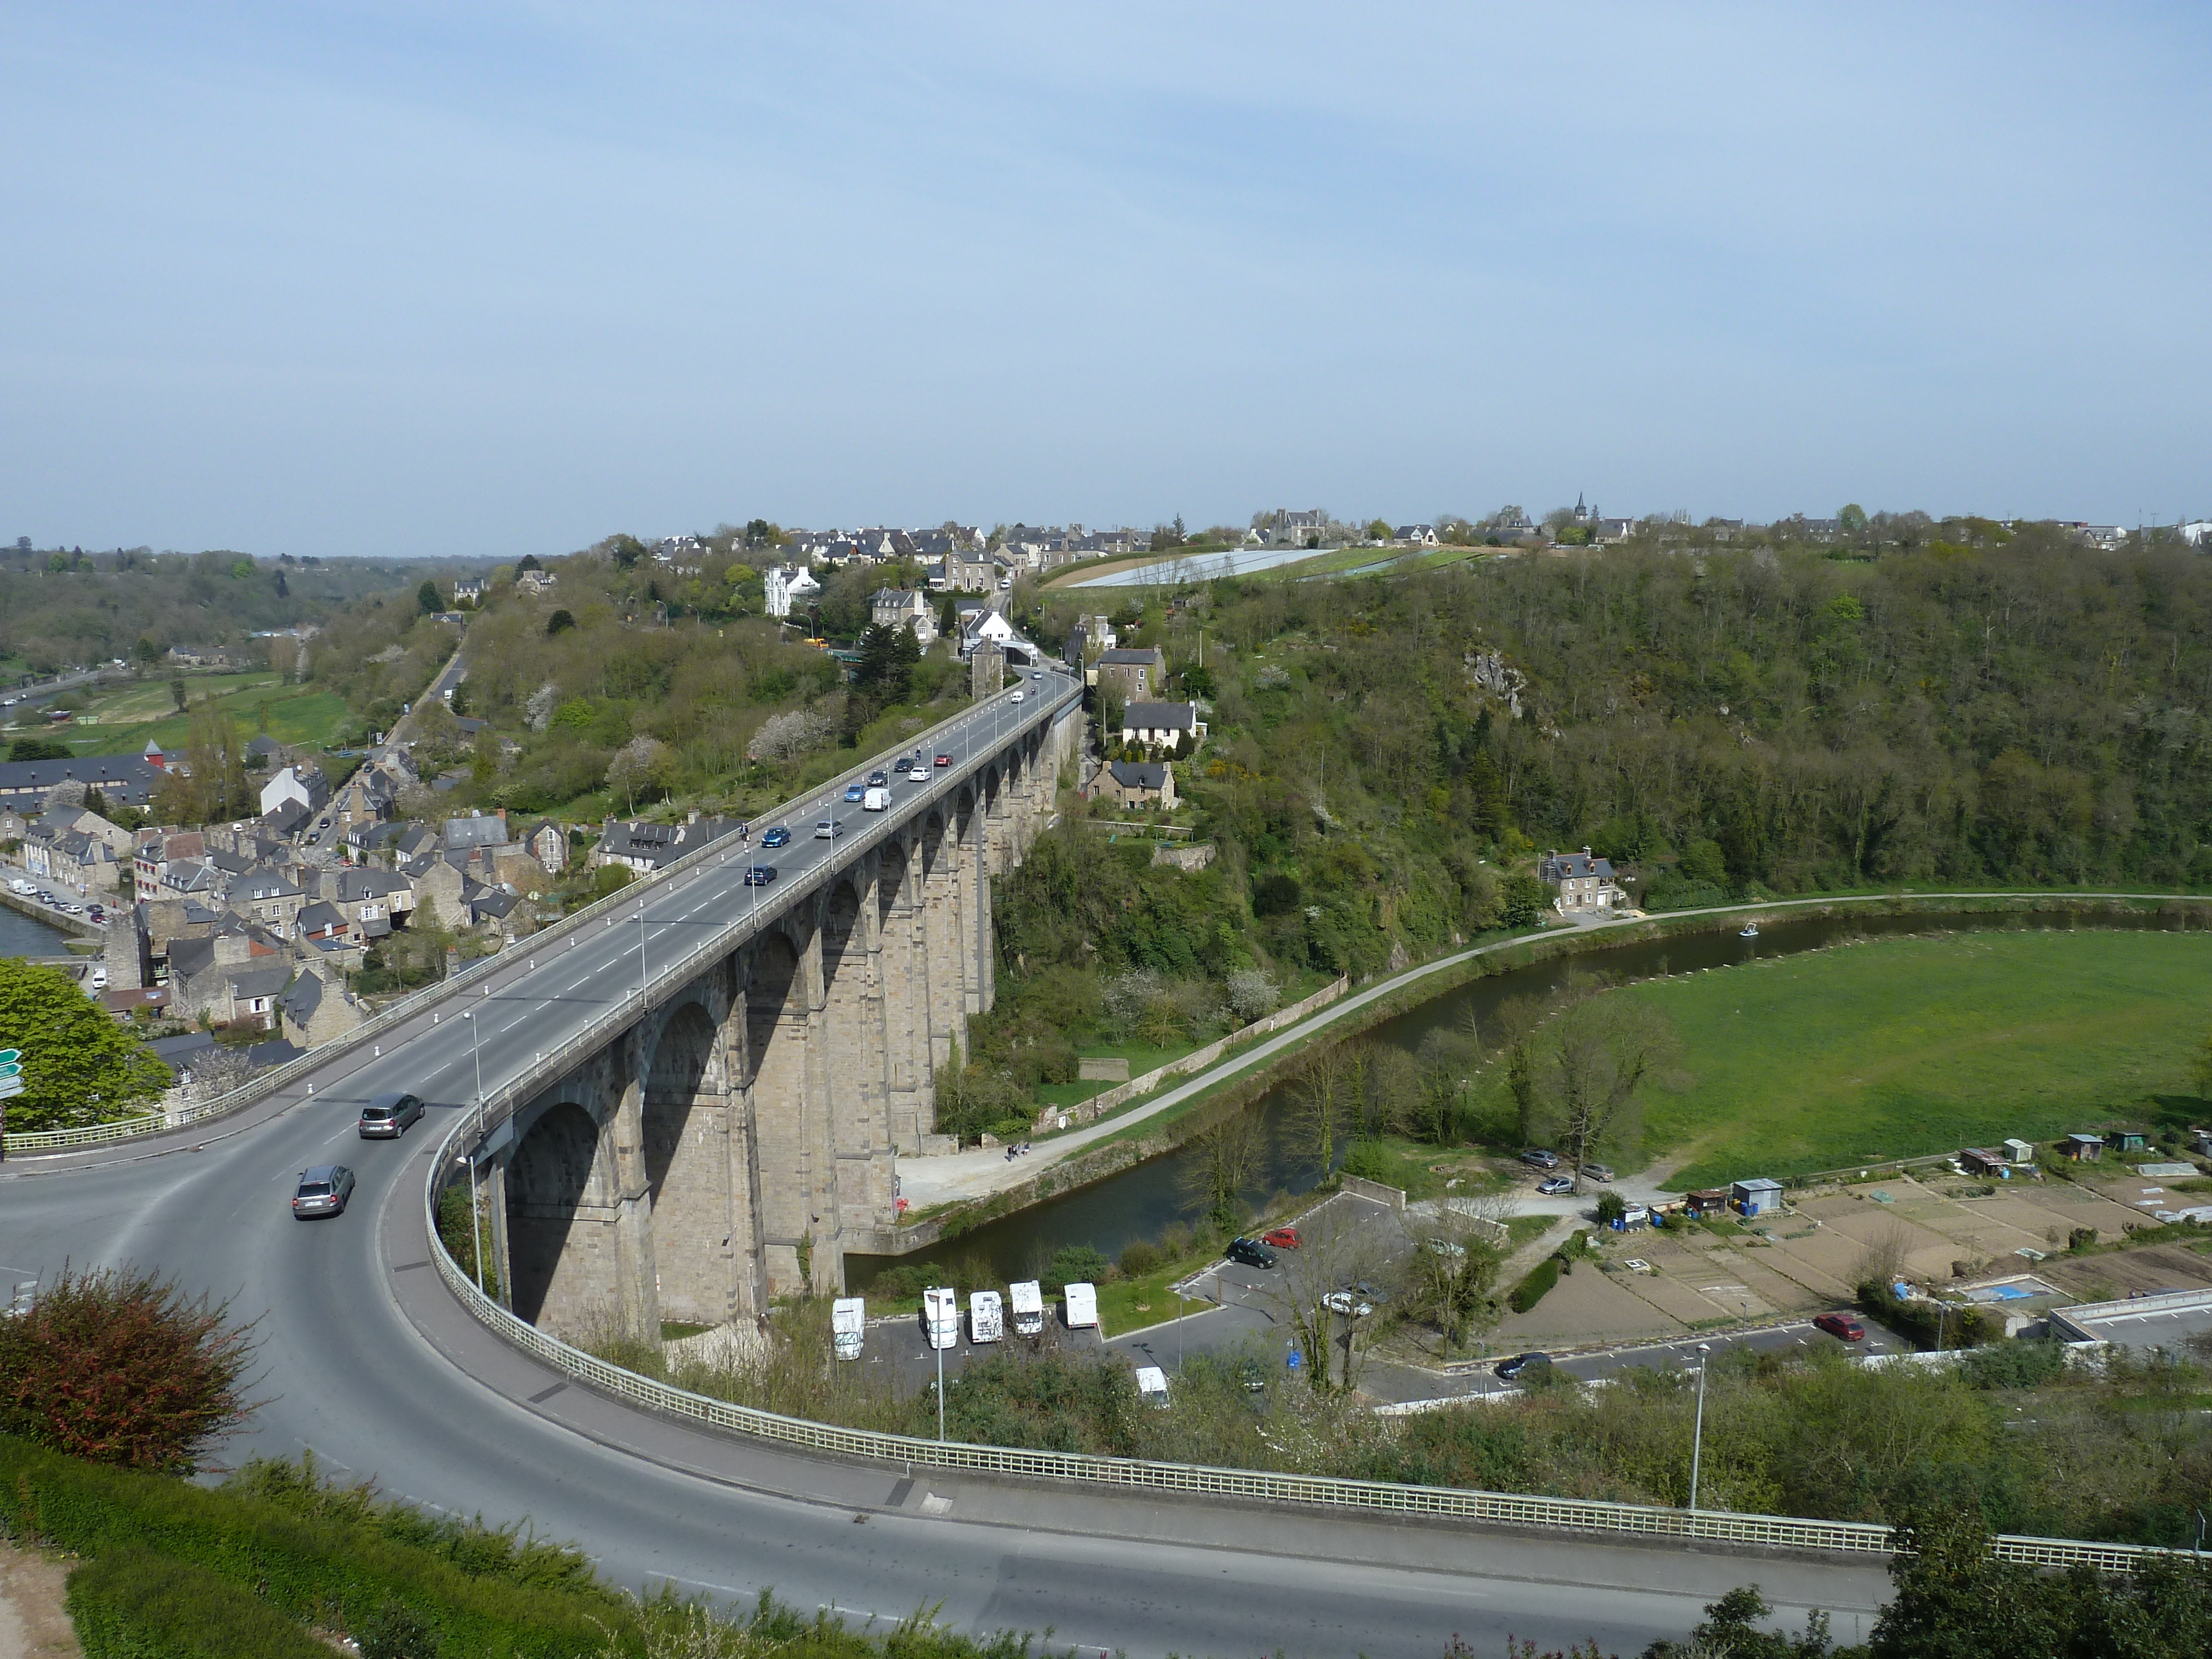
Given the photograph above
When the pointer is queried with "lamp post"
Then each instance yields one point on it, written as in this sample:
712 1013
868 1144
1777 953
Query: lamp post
640 947
936 1309
1698 1434
475 1220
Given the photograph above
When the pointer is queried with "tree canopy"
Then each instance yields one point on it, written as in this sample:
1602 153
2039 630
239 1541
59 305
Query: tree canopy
79 1066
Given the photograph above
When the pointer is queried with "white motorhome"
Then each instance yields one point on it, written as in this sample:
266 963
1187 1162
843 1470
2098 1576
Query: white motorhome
940 1316
1027 1300
1152 1386
986 1318
1082 1306
848 1324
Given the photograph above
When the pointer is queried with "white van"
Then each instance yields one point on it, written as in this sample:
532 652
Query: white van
1027 1300
987 1317
848 1324
1152 1387
877 799
1082 1306
940 1316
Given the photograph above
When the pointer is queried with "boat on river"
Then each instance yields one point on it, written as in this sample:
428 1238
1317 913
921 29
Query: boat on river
1749 930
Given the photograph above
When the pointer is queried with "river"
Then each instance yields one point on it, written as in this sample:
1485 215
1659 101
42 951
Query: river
1139 1202
26 936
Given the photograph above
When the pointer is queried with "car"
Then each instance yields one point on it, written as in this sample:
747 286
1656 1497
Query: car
1283 1238
1552 1186
1018 696
1844 1327
917 773
855 791
387 1115
1036 673
1350 1304
1450 1249
1251 1253
324 1189
878 781
322 823
1523 1365
760 875
778 836
1370 1292
1537 1157
829 828
1597 1172
945 760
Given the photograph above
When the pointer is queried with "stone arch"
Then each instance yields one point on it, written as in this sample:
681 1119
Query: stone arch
684 1134
777 997
560 1192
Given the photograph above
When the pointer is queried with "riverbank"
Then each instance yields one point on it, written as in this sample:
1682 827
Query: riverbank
1162 1124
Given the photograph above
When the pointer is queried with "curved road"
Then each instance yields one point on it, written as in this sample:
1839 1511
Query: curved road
369 1363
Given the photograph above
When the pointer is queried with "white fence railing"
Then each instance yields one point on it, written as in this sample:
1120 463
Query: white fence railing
14 1144
1584 1516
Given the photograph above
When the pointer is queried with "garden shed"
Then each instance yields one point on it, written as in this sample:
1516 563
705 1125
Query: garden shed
1757 1196
1985 1161
2084 1149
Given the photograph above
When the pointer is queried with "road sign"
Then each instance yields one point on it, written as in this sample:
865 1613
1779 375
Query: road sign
11 1072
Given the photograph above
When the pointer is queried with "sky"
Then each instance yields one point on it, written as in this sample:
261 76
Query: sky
477 281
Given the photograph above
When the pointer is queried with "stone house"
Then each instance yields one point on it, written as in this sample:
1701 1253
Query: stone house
548 845
894 607
317 1007
1136 783
1138 674
1582 883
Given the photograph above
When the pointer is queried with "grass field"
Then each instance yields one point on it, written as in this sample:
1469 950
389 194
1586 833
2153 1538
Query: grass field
1908 1047
297 713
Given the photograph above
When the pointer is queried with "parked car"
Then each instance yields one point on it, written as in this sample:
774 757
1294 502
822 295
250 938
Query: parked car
1537 1157
1523 1365
1597 1172
778 836
1844 1327
760 875
1251 1253
829 829
1283 1238
945 760
1347 1302
1552 1186
386 1117
323 1190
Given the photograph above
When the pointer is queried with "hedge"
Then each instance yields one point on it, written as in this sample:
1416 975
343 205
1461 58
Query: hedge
319 1571
137 1604
1531 1290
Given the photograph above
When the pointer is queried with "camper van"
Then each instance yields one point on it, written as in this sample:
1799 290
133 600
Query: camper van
877 799
1152 1387
1082 1306
940 1316
986 1318
1027 1300
849 1323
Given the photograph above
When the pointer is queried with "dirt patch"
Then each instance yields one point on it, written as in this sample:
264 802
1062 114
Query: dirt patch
2112 1275
1584 1306
33 1622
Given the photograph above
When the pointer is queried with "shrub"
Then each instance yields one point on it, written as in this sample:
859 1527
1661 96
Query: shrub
1610 1206
1075 1264
1366 1160
136 1604
2015 1365
120 1367
1139 1258
1533 1289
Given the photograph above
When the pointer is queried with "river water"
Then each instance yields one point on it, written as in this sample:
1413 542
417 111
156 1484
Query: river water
1139 1202
25 936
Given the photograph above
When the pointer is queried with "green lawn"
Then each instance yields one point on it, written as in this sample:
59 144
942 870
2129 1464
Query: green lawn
1909 1047
297 714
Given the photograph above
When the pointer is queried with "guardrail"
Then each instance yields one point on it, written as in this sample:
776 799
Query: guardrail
1583 1516
260 1088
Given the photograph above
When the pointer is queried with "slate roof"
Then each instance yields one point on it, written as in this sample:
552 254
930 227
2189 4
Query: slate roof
1160 717
1139 774
124 780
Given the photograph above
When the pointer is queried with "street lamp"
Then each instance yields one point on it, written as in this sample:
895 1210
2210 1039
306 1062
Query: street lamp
640 946
1698 1434
475 1220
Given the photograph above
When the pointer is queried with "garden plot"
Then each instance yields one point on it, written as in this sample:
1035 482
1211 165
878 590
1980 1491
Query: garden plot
1585 1306
2112 1275
1823 1263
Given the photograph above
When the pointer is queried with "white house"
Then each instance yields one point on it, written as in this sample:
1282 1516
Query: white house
303 784
1163 724
986 627
786 586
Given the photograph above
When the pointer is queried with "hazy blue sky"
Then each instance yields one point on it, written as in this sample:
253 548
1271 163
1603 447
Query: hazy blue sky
494 279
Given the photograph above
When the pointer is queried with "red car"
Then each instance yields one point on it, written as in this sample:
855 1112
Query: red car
1841 1326
1283 1238
945 760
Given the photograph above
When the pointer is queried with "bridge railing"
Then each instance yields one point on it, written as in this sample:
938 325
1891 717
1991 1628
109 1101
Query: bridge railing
1588 1516
14 1144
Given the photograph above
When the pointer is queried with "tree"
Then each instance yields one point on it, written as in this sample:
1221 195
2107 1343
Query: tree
427 601
1226 1153
1851 518
147 653
640 763
1379 531
1524 900
79 1066
38 749
1607 1049
120 1367
177 693
888 656
1321 1101
559 622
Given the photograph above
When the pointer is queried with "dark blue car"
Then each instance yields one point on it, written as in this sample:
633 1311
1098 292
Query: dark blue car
778 836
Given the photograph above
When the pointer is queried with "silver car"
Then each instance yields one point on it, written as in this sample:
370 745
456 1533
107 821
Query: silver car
323 1190
387 1116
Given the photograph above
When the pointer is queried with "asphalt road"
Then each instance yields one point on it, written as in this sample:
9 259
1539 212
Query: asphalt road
367 1360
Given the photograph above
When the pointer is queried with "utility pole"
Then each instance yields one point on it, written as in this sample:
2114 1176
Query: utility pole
1698 1434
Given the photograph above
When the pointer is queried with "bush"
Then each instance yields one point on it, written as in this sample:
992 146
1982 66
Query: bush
1367 1160
118 1367
1533 1288
1075 1264
136 1604
2015 1365
1610 1206
1139 1258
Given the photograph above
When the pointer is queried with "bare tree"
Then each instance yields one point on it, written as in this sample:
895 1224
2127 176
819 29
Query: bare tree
1607 1049
1322 1102
1340 1250
1460 1247
1225 1154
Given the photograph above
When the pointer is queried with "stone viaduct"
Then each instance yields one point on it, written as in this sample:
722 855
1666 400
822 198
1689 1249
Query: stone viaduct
728 1144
